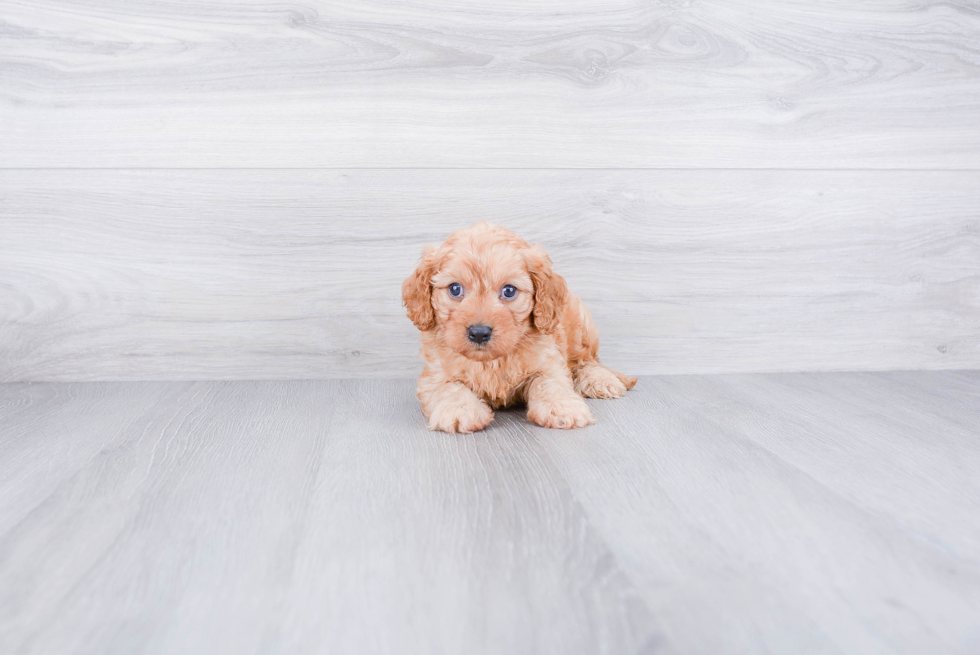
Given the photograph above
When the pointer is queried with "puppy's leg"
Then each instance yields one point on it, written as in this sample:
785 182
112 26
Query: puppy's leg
593 380
450 406
553 403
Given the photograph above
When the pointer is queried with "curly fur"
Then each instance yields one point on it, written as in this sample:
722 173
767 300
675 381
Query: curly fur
543 350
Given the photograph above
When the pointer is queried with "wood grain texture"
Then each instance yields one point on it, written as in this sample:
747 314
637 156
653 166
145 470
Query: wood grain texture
291 517
627 83
297 274
803 513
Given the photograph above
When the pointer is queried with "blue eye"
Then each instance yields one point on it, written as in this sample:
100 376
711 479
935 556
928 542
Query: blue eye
455 289
509 292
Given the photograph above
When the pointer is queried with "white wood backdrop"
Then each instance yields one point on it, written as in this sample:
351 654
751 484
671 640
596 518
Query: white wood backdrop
549 83
236 189
277 274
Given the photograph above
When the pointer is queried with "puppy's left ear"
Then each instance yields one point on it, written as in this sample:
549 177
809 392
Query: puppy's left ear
550 291
417 292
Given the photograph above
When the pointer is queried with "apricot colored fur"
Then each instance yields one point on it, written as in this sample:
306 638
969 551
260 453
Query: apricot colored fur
544 348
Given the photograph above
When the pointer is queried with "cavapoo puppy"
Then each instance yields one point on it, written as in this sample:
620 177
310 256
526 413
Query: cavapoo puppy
499 327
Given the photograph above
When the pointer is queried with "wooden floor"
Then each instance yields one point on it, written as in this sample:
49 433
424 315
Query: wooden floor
790 513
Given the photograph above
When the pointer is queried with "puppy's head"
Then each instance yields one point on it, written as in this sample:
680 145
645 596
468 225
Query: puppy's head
484 289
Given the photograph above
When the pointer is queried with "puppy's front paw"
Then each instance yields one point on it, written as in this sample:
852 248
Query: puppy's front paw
469 416
563 413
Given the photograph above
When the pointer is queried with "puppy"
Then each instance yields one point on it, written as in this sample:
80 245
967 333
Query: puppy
499 327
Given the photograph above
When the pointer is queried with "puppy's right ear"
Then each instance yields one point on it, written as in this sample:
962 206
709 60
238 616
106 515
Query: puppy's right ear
417 292
550 292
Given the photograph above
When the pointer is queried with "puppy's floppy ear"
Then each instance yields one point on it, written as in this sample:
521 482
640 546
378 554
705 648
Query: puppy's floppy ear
417 292
549 291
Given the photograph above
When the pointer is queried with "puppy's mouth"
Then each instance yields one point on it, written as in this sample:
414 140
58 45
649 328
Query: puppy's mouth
481 351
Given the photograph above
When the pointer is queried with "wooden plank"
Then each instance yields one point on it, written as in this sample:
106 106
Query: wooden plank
756 514
722 514
66 427
904 433
586 84
286 274
299 517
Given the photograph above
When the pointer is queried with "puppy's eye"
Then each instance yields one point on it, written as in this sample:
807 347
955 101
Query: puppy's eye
509 292
455 289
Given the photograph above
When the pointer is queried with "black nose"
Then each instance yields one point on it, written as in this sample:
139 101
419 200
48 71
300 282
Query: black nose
479 333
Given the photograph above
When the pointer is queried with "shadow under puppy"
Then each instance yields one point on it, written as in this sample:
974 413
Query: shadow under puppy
499 327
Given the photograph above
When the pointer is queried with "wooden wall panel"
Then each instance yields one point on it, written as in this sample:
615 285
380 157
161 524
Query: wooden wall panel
436 83
281 274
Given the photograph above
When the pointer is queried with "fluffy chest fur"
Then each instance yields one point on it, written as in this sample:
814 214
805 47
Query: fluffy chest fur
500 382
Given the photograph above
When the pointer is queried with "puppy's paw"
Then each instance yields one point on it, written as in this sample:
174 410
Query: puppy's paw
629 380
563 413
469 416
599 382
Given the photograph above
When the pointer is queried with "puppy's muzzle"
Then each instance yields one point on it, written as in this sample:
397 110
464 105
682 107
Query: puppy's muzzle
479 334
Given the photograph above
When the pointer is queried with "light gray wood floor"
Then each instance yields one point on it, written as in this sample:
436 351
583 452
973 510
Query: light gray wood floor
793 513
